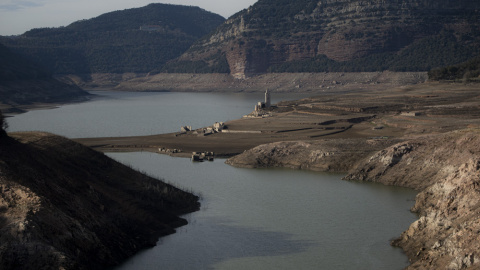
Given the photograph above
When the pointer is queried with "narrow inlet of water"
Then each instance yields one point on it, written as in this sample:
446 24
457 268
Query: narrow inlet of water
275 219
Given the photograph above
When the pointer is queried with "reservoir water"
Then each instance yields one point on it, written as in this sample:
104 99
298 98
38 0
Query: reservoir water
250 218
134 114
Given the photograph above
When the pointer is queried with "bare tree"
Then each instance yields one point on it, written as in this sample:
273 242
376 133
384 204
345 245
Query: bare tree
3 123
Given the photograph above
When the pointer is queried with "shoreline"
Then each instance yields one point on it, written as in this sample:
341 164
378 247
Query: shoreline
381 130
377 128
11 110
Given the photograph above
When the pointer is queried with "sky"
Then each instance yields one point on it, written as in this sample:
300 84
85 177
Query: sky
19 16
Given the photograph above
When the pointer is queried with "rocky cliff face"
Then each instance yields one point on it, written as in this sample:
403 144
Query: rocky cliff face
312 35
65 206
446 168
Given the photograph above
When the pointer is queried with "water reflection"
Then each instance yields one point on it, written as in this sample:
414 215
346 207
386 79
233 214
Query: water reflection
214 241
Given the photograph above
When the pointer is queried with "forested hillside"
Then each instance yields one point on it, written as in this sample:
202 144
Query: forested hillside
14 67
23 82
340 35
134 40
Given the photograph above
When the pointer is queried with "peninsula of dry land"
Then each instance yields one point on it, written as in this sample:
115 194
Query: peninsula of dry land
424 136
370 118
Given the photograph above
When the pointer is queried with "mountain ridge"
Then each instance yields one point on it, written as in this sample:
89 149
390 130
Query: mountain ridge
133 40
346 35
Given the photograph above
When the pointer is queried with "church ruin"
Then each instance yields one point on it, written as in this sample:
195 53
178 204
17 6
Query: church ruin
265 104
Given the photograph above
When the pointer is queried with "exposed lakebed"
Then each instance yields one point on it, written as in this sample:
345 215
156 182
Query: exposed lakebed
262 219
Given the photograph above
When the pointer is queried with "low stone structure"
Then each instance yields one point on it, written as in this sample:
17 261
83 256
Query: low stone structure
169 151
410 113
216 128
186 128
201 156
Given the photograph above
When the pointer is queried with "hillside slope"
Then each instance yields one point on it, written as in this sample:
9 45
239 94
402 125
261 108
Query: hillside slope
341 35
65 206
132 40
23 82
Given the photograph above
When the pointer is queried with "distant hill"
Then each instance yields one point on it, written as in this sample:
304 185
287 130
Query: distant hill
132 40
466 71
341 35
23 82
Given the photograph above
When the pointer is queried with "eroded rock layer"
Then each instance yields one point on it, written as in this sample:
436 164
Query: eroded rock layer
346 35
445 168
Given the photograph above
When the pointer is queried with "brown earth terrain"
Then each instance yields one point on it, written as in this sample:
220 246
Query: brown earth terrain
423 136
66 206
378 116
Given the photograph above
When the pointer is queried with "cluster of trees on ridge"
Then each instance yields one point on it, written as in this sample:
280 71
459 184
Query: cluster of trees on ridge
466 71
15 67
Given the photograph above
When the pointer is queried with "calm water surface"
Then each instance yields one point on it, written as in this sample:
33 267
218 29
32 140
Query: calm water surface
133 114
249 219
276 219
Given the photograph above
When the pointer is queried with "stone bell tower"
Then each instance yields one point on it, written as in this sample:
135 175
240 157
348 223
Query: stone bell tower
267 99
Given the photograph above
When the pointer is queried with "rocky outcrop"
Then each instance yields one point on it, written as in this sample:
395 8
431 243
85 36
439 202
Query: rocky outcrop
65 206
336 155
446 170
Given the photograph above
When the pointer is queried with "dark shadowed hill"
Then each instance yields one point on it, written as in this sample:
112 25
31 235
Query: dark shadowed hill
338 35
23 82
132 40
65 206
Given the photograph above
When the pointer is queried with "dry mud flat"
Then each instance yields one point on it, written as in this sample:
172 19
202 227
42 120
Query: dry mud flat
424 136
277 82
382 115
